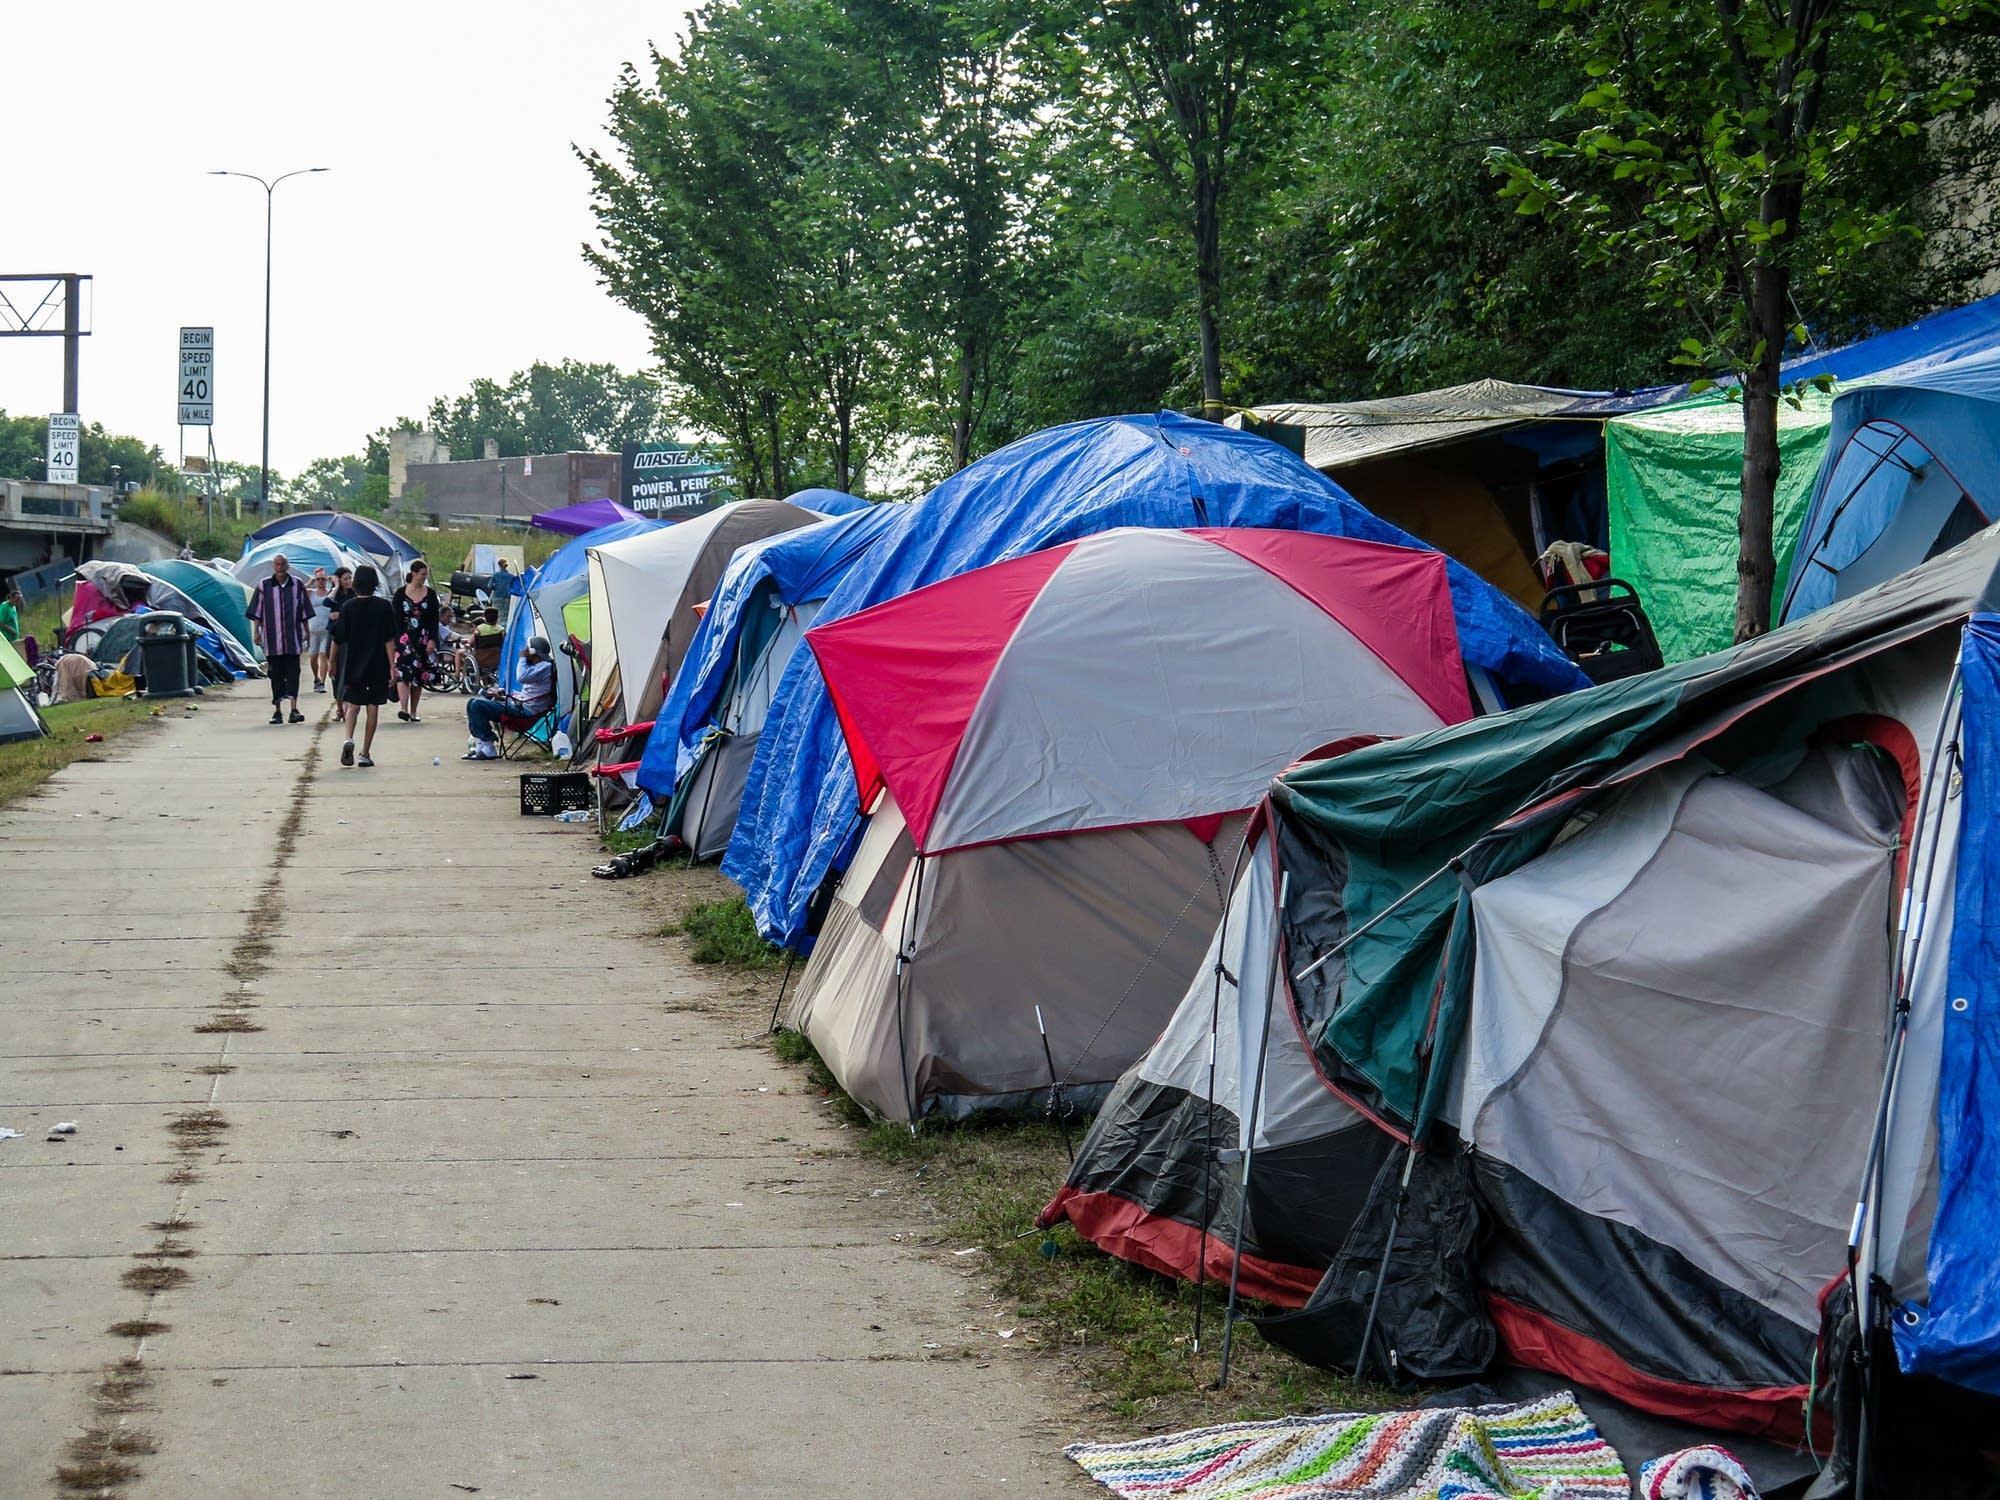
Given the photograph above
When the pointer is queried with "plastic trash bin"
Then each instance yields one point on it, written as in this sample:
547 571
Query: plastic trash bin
167 651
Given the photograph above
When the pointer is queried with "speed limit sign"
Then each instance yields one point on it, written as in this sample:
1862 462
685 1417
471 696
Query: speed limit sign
196 392
65 432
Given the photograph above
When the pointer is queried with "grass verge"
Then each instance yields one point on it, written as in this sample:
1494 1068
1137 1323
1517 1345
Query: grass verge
26 764
723 932
1123 1334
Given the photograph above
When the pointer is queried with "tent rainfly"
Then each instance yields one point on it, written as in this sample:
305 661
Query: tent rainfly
1058 750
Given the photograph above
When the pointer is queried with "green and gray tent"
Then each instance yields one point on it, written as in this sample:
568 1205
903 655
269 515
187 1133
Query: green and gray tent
1619 969
19 719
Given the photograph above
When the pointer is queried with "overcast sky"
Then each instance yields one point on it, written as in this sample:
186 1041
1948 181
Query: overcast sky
442 245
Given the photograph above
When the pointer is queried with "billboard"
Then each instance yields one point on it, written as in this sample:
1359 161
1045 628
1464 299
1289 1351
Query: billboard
671 481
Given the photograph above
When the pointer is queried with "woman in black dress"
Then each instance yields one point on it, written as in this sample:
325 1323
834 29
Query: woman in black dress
418 610
364 639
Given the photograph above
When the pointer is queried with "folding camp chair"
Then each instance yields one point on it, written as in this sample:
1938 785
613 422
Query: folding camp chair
1602 630
518 731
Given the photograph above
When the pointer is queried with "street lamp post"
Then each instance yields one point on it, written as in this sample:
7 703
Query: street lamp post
270 190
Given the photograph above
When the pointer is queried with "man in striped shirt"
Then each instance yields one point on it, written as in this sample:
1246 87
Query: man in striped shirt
281 614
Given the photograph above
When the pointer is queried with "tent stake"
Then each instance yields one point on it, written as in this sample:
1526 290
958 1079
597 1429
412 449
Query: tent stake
1055 1087
791 957
1250 1134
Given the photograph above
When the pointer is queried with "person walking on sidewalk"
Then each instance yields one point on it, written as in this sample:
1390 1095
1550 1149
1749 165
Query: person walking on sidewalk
364 660
416 645
319 589
281 613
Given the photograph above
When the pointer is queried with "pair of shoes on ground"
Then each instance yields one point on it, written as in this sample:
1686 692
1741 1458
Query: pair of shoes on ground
318 686
481 750
408 718
347 757
279 718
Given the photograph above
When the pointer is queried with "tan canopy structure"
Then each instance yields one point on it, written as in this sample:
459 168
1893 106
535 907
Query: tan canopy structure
646 594
1468 467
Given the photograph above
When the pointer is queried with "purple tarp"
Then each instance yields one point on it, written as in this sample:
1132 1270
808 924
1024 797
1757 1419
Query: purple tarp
587 515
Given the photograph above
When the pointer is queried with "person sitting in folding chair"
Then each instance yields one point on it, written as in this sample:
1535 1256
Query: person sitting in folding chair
487 717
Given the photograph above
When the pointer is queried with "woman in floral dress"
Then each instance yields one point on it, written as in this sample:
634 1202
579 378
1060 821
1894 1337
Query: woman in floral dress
418 610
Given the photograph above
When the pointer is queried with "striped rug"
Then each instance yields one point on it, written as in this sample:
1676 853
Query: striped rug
1538 1450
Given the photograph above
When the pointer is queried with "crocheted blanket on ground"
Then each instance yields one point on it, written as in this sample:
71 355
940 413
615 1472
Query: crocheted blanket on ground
1536 1450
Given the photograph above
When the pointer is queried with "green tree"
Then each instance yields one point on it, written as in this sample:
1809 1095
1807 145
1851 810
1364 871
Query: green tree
24 452
1735 149
747 215
1201 91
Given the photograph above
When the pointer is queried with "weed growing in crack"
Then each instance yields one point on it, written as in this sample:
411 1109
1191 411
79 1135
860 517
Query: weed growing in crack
138 1328
234 1021
154 1278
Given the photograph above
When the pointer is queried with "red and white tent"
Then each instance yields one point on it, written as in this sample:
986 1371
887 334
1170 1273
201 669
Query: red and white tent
1058 751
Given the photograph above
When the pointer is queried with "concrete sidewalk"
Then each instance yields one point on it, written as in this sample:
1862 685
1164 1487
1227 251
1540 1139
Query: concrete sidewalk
485 1203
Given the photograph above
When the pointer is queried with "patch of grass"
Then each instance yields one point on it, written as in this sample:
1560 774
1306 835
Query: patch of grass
184 1175
123 1385
138 1328
154 1278
26 764
198 1127
624 841
231 1021
793 1047
1129 1331
723 932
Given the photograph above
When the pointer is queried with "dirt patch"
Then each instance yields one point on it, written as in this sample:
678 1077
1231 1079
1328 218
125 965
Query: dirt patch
216 1070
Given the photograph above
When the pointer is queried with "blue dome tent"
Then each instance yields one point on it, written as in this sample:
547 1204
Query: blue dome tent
798 816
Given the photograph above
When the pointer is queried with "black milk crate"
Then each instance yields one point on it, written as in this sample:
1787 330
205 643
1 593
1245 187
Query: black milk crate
546 793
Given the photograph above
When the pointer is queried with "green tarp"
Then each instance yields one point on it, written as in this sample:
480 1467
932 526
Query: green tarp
1672 480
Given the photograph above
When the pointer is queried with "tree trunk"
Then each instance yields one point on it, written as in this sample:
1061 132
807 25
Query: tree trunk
961 421
843 448
1756 564
1208 288
777 458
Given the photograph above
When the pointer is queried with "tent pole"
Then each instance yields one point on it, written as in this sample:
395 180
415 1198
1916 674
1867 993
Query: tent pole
1864 1236
1810 557
1055 1087
1388 1249
1454 866
1250 1134
1208 1104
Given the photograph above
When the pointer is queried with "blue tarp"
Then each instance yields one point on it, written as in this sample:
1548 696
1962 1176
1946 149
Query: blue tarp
1948 335
794 567
827 502
798 814
1905 448
1955 1335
